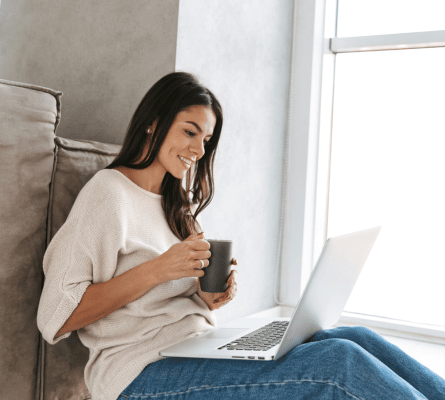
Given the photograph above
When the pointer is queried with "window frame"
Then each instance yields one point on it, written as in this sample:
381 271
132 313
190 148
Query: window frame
308 149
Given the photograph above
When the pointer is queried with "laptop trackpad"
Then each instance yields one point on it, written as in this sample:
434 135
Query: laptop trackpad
224 333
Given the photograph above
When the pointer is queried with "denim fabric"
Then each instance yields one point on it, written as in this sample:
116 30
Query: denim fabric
341 363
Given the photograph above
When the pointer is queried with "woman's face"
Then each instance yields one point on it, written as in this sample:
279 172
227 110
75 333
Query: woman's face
186 139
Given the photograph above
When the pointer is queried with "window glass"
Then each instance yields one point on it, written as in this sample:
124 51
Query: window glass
378 17
388 168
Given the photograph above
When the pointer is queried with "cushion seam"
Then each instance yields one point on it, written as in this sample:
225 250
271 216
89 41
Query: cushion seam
95 151
51 196
41 378
38 88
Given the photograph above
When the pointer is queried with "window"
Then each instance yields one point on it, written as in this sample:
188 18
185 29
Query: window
365 147
382 17
387 153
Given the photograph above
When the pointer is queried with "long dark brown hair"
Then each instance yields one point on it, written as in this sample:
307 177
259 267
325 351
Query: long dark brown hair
170 95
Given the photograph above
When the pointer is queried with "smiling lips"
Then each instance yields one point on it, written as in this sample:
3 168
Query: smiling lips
186 161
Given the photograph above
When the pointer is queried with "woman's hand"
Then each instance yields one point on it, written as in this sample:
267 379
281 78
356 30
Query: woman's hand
217 300
184 259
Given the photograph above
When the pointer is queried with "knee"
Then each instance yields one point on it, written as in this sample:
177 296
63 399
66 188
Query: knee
356 333
352 333
340 353
339 347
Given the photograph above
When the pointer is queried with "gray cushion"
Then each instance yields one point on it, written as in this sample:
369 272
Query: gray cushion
28 119
75 163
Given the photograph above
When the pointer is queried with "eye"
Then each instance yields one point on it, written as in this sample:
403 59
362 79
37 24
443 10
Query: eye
193 134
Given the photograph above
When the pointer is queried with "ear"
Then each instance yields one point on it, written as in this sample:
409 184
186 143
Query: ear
152 127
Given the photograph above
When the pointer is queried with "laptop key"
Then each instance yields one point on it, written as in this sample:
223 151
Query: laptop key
262 339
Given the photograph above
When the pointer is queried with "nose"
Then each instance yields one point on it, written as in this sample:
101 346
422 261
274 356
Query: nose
197 147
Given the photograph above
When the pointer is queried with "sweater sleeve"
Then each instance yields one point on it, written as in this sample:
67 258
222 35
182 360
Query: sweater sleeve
83 251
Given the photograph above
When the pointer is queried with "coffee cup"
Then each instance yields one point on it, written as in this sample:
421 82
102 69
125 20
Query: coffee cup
218 271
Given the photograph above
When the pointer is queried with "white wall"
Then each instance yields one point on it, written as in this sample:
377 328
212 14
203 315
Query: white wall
242 51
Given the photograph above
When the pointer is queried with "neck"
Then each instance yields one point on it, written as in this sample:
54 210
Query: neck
149 179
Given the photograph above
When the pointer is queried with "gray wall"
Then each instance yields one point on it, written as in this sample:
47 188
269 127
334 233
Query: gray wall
242 51
103 55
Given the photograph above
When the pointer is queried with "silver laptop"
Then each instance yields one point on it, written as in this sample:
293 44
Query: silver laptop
320 307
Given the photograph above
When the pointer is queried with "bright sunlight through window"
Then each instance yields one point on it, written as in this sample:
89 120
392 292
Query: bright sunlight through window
388 168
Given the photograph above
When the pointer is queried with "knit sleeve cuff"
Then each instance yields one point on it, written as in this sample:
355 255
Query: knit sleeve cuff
64 310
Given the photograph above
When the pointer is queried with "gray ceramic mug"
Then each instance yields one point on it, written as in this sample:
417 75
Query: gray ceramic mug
219 268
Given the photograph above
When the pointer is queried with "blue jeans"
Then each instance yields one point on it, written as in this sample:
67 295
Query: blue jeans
341 363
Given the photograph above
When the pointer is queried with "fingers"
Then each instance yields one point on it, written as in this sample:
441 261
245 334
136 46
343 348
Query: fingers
200 244
233 286
226 298
197 242
201 265
232 277
196 250
233 262
201 255
195 272
231 291
194 237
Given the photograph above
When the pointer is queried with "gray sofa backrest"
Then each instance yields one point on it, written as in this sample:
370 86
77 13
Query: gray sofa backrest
40 177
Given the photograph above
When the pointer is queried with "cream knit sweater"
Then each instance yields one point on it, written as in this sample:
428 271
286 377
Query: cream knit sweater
115 225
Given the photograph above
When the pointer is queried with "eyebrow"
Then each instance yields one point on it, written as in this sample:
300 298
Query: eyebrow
196 125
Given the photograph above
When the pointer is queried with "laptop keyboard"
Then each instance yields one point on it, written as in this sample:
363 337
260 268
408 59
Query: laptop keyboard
262 339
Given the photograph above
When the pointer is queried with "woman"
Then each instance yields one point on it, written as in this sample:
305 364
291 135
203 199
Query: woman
123 271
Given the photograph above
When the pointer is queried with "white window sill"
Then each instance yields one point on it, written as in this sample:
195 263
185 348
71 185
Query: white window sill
427 350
